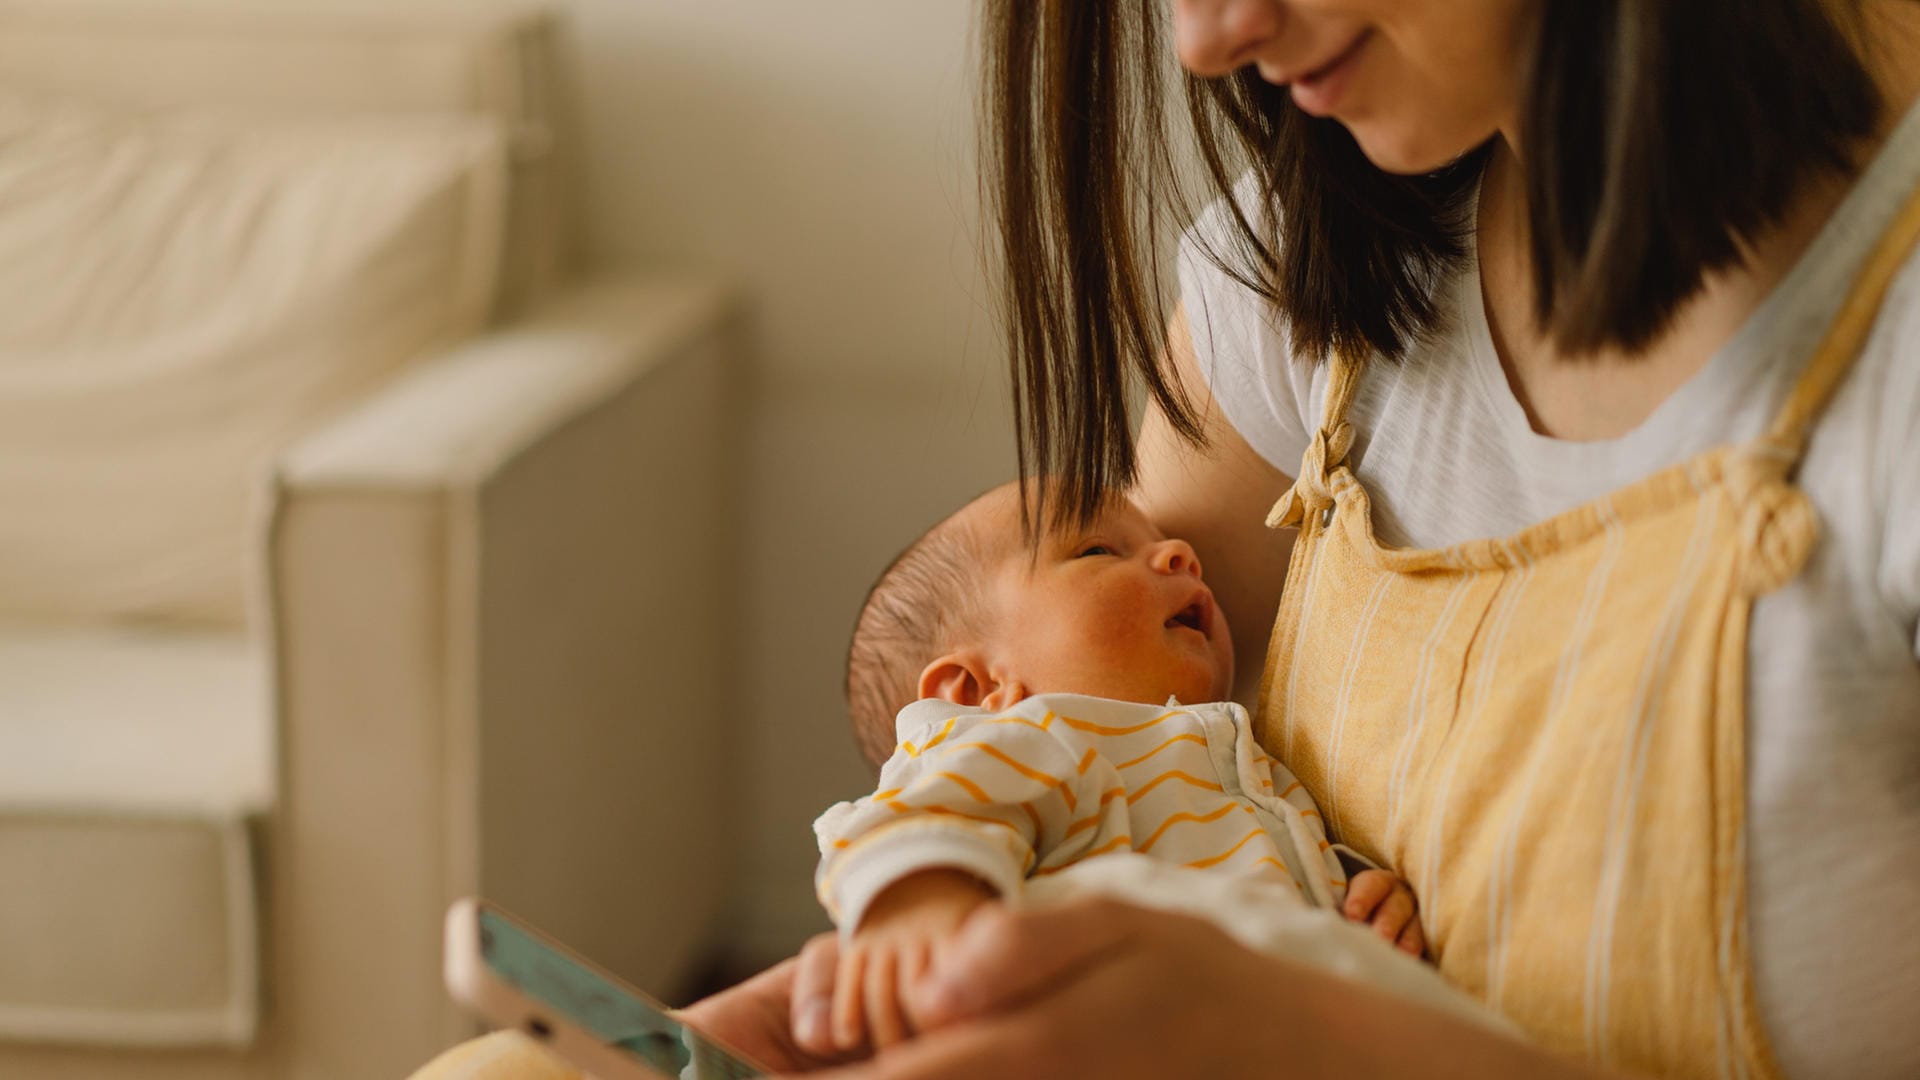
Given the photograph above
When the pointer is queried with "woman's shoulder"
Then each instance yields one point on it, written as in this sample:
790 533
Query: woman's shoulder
1863 458
1243 350
1239 340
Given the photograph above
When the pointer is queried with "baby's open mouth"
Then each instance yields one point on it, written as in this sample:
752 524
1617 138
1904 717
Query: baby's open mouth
1193 617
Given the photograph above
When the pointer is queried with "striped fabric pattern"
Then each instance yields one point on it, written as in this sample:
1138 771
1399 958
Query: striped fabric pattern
1060 778
1545 733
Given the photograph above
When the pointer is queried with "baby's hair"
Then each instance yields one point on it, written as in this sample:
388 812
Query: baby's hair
924 602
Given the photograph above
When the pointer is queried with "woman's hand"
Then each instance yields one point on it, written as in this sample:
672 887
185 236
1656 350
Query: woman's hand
1096 988
1102 988
760 1017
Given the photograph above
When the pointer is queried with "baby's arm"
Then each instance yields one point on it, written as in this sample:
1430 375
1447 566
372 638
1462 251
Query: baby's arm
1373 896
893 948
966 811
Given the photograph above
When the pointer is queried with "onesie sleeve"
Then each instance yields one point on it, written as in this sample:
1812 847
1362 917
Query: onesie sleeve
1240 343
996 796
1325 871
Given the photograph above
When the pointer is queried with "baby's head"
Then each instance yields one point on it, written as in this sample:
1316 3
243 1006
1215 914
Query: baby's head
971 614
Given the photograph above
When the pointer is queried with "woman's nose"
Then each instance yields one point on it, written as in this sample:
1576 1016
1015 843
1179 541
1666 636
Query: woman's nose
1216 37
1175 557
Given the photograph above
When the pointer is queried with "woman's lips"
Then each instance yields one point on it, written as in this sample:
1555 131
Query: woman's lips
1318 91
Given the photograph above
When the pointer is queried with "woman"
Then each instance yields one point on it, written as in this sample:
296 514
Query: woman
1588 333
1651 756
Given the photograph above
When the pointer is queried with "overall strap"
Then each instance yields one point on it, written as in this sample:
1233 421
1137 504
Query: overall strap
1343 380
1787 438
1327 450
1779 527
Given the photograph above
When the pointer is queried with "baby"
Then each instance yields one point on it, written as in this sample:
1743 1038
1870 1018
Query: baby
1029 709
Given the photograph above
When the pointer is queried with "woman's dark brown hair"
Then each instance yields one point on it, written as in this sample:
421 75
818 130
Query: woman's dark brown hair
1659 135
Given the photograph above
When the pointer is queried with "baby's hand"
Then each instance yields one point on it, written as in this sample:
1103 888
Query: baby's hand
893 949
1384 902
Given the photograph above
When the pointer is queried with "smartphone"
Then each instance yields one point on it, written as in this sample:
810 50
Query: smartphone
515 976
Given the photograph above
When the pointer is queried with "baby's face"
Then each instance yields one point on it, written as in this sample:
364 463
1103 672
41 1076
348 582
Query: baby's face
1115 610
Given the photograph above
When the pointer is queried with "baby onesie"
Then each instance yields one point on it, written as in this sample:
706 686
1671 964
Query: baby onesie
1060 778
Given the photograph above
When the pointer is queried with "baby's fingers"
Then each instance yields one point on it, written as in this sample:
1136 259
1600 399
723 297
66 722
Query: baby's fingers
848 984
1365 892
1412 940
915 958
885 1023
1393 914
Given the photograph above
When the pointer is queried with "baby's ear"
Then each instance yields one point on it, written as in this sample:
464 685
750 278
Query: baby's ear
963 678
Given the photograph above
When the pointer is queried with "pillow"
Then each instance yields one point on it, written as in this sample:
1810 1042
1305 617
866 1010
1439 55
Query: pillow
185 294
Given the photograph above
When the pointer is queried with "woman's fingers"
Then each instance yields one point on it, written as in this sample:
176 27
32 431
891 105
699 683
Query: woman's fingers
812 1003
1365 892
755 1017
1000 957
987 1049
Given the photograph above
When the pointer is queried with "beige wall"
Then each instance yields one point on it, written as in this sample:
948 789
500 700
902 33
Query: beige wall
819 154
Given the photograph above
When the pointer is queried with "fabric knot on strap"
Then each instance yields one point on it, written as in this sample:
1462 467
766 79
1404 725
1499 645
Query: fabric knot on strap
1313 489
1778 524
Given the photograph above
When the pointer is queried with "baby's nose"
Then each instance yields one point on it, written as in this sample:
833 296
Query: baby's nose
1176 557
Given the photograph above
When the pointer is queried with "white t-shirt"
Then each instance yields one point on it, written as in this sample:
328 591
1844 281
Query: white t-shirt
1833 742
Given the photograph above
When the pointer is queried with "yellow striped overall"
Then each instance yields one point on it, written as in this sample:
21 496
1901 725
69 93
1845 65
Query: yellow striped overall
1545 734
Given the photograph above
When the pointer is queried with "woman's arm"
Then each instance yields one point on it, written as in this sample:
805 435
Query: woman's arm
1216 497
1102 988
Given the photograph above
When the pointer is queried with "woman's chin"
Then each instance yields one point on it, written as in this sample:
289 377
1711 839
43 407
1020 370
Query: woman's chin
1393 148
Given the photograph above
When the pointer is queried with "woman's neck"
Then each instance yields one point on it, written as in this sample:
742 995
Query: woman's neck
1608 394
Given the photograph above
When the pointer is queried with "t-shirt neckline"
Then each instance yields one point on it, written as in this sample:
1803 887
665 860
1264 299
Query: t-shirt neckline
1756 346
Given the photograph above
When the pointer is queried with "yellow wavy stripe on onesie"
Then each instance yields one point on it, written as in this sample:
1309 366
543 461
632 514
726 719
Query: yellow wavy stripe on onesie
1070 778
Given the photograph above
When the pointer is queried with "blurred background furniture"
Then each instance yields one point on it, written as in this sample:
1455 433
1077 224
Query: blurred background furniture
359 547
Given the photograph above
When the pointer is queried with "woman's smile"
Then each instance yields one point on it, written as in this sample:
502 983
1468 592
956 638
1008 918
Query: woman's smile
1317 92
